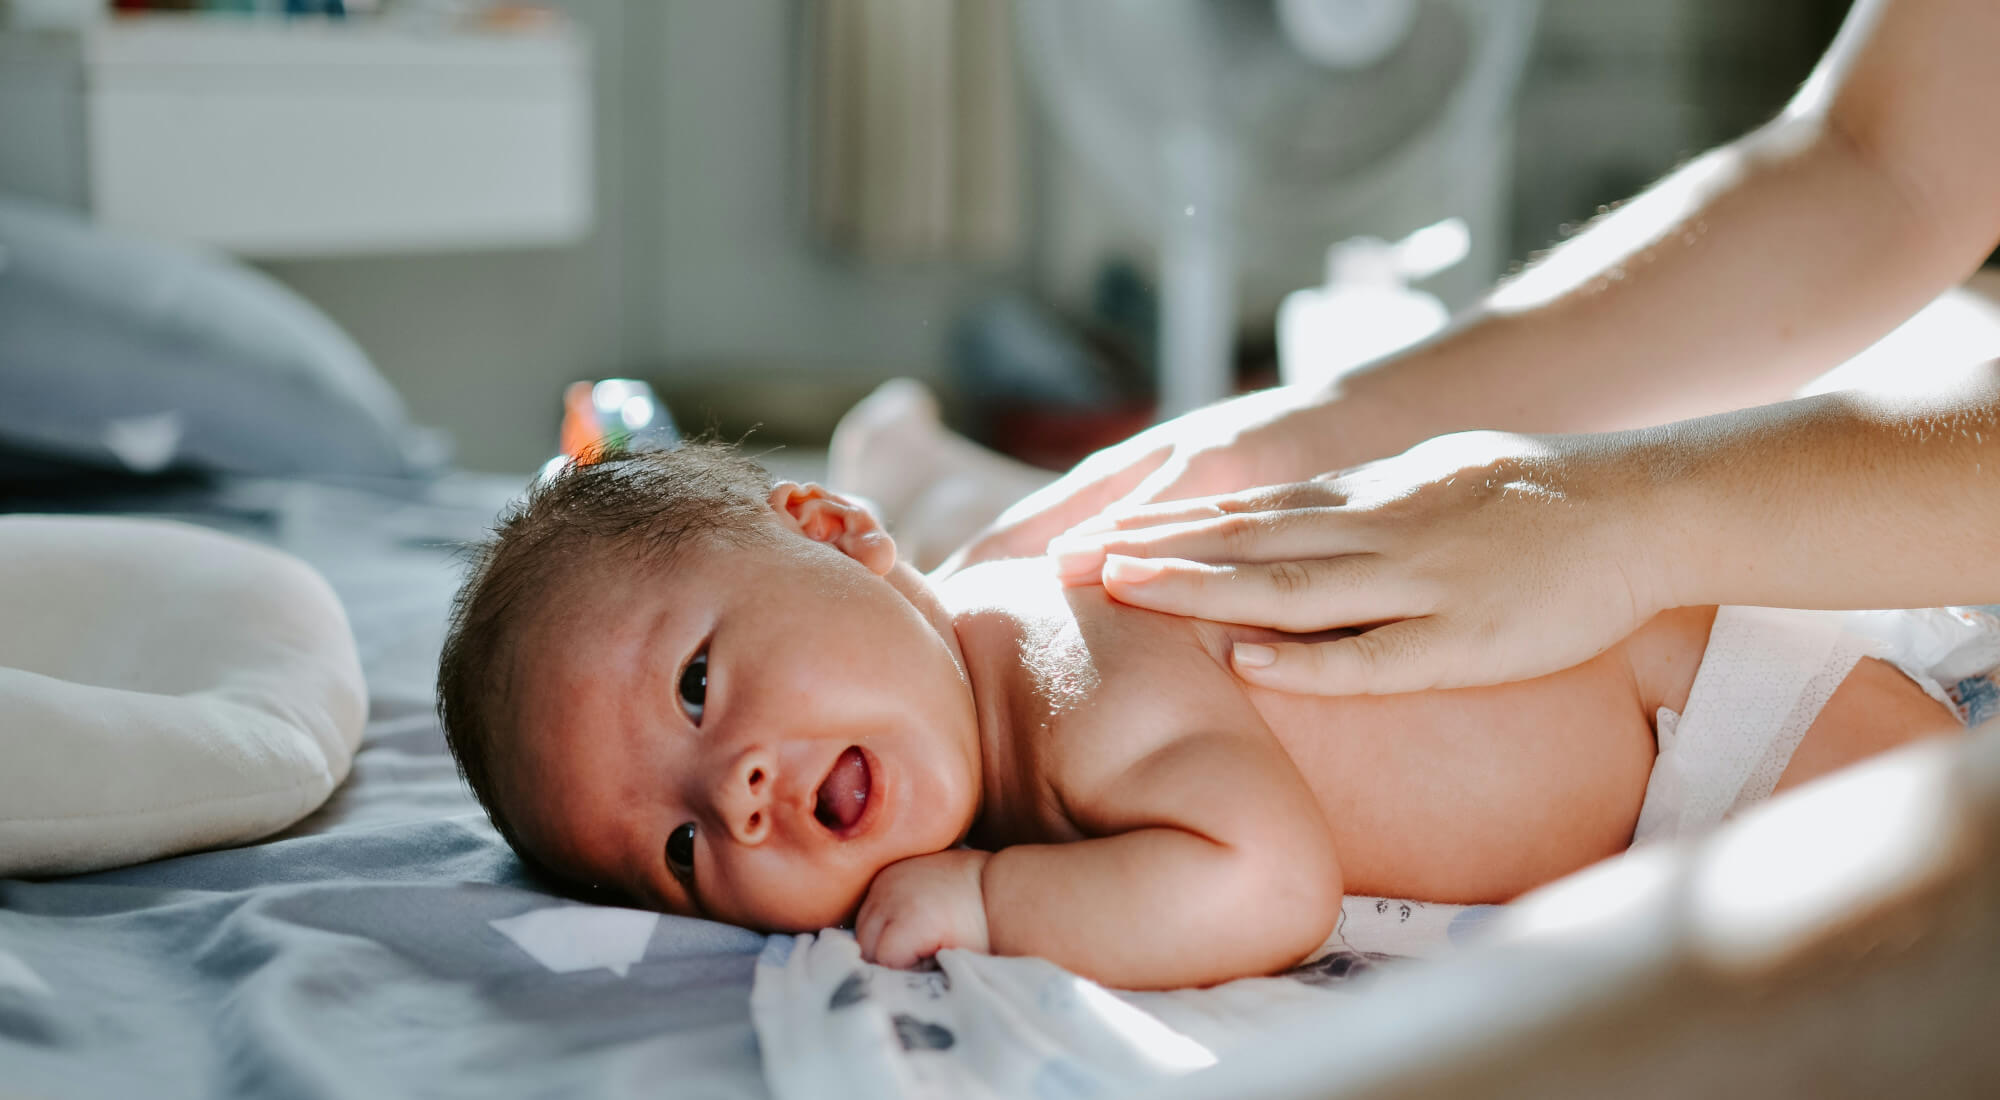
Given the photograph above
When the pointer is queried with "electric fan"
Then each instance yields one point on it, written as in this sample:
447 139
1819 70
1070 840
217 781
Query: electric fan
1253 133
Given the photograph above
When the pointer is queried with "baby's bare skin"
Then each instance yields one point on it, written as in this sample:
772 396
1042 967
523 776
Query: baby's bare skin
1473 795
1134 812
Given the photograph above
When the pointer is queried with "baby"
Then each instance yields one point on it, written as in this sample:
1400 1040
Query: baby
728 698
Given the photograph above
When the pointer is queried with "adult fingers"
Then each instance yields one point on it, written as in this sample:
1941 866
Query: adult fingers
1285 535
1163 483
1132 515
1025 529
1401 656
1293 596
1097 483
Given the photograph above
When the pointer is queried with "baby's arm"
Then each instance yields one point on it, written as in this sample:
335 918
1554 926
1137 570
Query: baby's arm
1210 860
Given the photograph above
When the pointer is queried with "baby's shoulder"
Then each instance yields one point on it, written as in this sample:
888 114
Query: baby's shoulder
1095 683
1123 683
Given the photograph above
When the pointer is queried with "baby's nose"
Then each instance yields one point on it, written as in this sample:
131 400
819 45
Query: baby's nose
744 798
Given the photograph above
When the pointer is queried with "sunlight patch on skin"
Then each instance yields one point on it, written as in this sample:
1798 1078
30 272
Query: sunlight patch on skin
1060 666
1936 351
1600 256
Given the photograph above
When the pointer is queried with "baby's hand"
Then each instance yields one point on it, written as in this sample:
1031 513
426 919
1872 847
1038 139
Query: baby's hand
919 906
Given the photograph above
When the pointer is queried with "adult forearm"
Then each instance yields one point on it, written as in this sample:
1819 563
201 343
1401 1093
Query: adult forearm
1730 283
1845 500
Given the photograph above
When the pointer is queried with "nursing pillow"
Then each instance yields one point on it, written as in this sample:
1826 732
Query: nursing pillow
163 688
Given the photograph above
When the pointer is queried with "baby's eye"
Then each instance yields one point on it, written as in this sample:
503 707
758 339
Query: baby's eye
694 686
680 852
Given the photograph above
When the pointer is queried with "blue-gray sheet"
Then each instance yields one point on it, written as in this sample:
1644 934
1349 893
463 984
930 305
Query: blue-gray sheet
354 955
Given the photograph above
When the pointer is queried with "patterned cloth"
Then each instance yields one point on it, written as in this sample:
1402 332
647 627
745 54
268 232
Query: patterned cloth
832 1025
1976 697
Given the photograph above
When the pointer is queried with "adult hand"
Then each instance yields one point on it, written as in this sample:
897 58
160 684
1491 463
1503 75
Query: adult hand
1250 440
1475 558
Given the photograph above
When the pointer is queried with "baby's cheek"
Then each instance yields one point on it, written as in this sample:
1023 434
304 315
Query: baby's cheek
800 898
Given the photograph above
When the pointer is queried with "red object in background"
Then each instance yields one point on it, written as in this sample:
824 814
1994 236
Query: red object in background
1058 438
581 432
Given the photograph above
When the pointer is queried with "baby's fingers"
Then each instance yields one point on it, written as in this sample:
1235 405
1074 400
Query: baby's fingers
1293 596
904 944
1398 657
868 926
886 940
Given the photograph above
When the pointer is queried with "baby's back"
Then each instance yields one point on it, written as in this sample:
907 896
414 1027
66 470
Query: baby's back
1476 794
1467 795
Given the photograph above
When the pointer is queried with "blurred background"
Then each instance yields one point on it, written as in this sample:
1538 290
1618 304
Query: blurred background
1065 217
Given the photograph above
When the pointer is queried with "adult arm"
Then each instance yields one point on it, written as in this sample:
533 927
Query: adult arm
1490 557
1727 284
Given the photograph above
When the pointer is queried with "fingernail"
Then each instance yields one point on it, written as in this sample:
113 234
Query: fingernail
1250 655
1095 525
1129 570
1075 557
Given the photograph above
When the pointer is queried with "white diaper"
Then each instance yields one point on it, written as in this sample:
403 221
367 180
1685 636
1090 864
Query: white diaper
1762 681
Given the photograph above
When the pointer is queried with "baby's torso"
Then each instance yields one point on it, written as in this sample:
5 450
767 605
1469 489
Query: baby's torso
1467 795
1476 794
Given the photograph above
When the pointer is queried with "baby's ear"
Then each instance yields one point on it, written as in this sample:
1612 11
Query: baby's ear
825 516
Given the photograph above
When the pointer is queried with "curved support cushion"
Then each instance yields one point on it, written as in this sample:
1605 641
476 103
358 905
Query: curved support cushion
163 688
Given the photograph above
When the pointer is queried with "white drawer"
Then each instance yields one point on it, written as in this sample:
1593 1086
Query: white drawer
272 138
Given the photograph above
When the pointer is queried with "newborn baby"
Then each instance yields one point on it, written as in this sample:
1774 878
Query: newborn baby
727 698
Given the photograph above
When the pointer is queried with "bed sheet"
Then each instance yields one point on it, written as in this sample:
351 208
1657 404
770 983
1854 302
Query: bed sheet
387 945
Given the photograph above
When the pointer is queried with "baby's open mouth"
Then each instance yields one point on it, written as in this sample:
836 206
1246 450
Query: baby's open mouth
843 794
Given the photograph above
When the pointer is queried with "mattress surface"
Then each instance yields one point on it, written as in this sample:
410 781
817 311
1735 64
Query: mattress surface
389 944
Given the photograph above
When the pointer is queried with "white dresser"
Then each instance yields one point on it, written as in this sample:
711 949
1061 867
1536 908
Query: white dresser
269 137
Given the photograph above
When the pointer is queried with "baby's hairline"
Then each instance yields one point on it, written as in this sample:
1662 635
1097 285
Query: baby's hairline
548 834
615 506
554 613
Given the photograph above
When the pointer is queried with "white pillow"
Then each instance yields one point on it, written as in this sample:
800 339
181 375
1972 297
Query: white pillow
163 688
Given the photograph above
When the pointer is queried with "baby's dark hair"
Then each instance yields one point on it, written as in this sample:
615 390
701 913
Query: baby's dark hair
641 508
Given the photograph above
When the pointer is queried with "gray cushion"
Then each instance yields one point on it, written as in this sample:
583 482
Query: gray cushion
125 354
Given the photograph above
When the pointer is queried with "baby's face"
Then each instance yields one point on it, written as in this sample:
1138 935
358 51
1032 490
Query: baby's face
752 732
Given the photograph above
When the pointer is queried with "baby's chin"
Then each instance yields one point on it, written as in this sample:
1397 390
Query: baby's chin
835 916
839 916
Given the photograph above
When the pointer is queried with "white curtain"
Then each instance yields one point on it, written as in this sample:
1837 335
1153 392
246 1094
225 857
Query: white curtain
915 143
